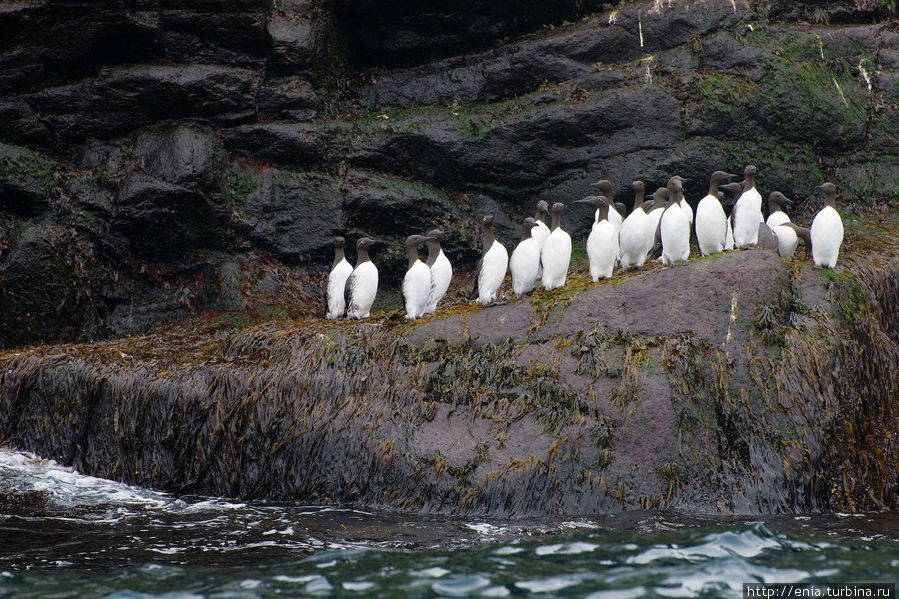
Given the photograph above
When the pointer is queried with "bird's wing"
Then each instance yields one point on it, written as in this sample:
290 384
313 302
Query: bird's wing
477 275
655 251
348 291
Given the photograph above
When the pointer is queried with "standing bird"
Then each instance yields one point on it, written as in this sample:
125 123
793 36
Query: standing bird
776 214
826 231
747 213
492 266
340 270
362 284
711 221
735 190
441 270
556 254
541 231
525 260
660 197
602 243
417 282
684 205
637 231
605 190
674 226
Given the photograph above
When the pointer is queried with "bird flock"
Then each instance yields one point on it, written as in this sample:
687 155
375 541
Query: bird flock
657 228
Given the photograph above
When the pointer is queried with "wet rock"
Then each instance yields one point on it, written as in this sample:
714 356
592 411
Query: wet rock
295 42
619 36
163 219
19 69
26 180
46 288
181 155
289 213
230 33
120 97
407 33
289 99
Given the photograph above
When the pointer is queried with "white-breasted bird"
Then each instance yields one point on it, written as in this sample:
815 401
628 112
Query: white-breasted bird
602 243
362 284
747 212
340 271
441 270
711 221
417 282
492 266
776 213
637 230
541 230
556 254
674 226
788 236
525 260
605 190
826 231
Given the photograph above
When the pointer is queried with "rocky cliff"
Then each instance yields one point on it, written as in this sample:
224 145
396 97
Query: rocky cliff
162 159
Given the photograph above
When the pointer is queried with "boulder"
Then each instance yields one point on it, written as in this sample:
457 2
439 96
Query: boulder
163 220
47 287
26 180
120 99
288 99
181 155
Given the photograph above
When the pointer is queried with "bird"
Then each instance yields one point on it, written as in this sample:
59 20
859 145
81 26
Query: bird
541 231
736 190
340 271
525 260
788 236
492 266
556 254
605 190
684 205
637 231
674 227
776 214
417 282
660 197
441 270
747 212
711 221
362 284
602 243
826 232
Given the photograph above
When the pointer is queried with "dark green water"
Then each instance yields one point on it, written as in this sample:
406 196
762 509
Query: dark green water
67 535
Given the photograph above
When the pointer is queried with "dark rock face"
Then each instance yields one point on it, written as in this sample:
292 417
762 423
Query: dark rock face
178 139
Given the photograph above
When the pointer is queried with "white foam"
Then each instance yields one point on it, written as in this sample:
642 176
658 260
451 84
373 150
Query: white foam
436 572
550 585
357 586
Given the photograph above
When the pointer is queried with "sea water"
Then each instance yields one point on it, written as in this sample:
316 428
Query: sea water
63 534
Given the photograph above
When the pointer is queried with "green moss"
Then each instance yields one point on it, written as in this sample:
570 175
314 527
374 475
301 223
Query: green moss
240 185
845 291
811 101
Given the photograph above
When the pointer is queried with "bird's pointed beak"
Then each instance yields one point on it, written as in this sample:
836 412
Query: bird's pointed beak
583 201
